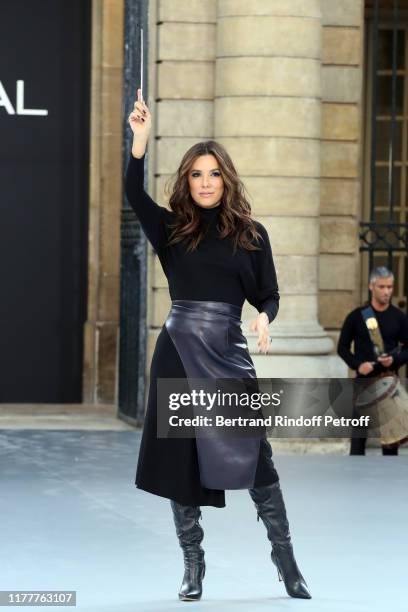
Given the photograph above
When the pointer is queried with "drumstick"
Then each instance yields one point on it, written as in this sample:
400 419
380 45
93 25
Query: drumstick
141 63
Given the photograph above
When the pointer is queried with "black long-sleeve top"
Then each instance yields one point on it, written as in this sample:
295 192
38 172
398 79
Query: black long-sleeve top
212 272
393 325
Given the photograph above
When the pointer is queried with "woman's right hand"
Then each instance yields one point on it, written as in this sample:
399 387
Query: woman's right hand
140 119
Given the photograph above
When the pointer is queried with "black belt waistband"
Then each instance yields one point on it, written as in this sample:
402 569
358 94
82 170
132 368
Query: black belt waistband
199 306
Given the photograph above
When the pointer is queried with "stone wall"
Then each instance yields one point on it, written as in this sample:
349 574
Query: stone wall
249 75
342 66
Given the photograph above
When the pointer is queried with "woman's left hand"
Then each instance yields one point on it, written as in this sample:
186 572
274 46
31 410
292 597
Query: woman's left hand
261 325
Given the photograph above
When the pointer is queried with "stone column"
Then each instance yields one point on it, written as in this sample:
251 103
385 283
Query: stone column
268 115
341 182
105 193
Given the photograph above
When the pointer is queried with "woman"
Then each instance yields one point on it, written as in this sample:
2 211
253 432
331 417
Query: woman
214 257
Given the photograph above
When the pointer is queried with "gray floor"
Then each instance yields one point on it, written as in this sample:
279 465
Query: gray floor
71 518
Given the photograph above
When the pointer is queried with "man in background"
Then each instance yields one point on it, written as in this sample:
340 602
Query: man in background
393 327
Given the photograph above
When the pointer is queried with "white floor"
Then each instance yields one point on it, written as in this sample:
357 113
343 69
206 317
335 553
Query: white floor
72 519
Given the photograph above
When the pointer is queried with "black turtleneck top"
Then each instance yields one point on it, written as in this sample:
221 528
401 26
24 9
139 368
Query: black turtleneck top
212 272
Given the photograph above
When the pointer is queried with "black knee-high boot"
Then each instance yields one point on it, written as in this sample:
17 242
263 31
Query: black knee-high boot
271 509
190 535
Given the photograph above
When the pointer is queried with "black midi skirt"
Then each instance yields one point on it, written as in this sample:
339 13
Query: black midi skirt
200 339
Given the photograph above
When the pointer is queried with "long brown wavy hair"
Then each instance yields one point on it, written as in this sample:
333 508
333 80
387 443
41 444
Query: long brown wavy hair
235 214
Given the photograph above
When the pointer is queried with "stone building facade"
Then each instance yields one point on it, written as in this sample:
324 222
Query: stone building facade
280 84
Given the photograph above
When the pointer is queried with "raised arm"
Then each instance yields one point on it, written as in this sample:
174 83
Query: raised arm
149 213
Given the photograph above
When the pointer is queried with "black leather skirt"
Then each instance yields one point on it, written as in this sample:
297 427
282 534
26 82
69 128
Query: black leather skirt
211 345
201 339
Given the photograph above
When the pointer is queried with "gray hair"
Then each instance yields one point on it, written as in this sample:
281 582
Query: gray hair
380 272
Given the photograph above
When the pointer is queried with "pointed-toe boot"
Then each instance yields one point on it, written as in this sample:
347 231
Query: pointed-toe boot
190 535
271 510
